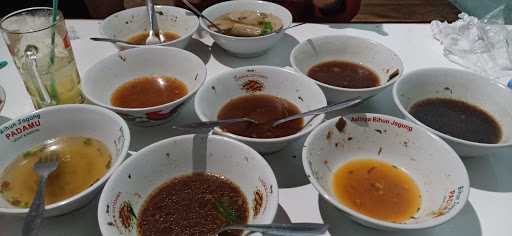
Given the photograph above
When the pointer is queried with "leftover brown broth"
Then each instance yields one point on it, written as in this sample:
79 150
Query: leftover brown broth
457 119
265 109
378 190
140 38
344 74
82 162
196 204
148 91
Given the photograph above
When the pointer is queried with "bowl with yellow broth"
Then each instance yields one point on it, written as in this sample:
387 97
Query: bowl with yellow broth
88 154
385 172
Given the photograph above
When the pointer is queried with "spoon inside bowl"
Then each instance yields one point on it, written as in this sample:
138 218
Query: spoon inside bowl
325 109
197 12
109 40
295 229
153 38
287 28
212 124
321 110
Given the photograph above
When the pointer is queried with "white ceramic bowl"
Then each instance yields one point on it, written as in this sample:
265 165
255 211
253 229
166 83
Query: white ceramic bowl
472 88
246 46
129 22
58 121
160 162
103 78
276 81
435 167
382 60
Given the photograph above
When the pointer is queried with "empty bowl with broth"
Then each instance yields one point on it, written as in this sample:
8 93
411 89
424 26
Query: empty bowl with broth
144 85
384 172
176 24
194 183
88 154
264 94
247 25
347 67
469 111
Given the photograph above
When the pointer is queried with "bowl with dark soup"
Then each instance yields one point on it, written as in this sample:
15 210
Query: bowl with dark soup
246 28
264 94
189 185
144 85
467 110
177 25
88 154
384 172
347 67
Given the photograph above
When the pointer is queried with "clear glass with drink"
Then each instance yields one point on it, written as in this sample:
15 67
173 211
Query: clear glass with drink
43 55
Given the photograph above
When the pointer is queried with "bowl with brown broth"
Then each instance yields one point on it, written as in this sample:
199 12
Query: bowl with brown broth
189 185
144 85
177 25
88 153
384 172
264 94
467 110
347 67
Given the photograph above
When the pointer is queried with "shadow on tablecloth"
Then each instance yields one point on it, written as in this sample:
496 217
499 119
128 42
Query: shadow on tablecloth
465 223
377 28
279 55
490 173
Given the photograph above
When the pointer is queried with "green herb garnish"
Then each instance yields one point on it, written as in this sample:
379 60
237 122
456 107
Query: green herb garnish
225 211
266 27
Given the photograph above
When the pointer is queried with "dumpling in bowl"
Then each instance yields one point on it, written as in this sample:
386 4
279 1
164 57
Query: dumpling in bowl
247 23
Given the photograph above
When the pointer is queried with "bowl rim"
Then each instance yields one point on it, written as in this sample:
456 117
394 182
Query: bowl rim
140 155
120 158
341 89
361 217
305 130
3 98
135 9
145 109
225 3
471 75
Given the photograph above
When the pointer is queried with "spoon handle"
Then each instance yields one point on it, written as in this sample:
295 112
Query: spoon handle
333 107
152 16
36 212
289 27
211 124
109 40
295 229
198 13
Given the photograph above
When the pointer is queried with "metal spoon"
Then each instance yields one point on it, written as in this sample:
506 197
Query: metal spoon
328 108
212 124
295 229
110 40
197 12
325 109
153 23
44 167
287 28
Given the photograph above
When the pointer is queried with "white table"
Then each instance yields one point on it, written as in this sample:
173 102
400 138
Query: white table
488 212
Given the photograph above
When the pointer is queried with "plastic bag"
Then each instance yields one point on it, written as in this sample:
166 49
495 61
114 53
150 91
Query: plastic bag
483 46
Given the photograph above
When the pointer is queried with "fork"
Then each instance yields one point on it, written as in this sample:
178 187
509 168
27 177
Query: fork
44 167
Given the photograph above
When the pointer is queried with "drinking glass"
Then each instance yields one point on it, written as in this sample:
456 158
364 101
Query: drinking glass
43 55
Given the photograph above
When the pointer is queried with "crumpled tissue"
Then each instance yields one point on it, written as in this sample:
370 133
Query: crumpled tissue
483 46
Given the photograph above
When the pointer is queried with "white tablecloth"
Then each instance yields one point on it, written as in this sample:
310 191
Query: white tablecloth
488 212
